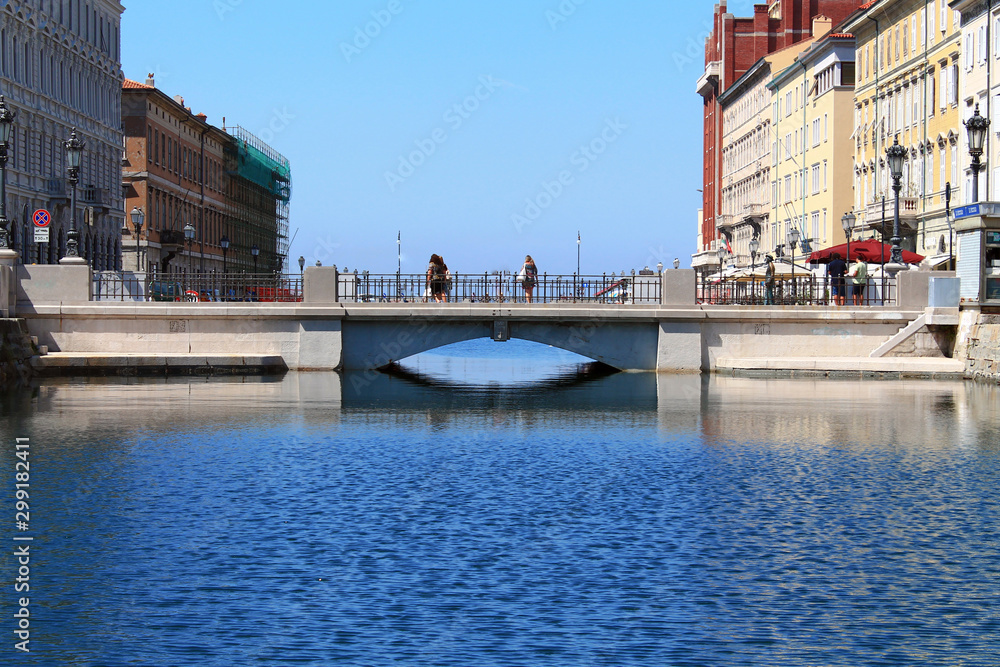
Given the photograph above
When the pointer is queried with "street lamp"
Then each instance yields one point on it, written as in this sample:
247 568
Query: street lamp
254 251
6 126
977 127
792 239
677 263
754 247
895 154
302 265
224 243
138 217
847 222
189 236
74 153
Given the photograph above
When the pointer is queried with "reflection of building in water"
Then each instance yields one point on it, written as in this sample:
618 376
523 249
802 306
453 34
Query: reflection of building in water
805 412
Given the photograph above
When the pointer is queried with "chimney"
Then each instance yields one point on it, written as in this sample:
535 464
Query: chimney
821 25
150 81
179 99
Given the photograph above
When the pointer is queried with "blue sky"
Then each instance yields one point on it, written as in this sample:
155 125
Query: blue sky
481 131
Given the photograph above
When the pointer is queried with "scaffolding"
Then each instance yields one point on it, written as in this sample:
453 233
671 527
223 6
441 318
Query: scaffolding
259 189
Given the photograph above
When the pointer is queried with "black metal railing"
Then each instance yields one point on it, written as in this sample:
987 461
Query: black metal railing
195 287
499 287
807 290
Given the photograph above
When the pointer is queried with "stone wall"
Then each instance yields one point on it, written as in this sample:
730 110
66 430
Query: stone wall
979 340
16 350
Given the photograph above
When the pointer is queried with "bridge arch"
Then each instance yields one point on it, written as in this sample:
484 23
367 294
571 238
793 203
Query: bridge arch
624 345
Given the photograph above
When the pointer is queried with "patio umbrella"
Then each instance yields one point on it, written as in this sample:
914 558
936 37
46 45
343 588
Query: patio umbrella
870 250
782 271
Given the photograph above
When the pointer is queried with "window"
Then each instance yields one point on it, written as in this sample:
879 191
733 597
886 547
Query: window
815 132
953 85
913 36
930 26
815 179
928 185
826 124
967 49
983 49
931 93
943 176
815 225
944 14
788 187
906 44
824 174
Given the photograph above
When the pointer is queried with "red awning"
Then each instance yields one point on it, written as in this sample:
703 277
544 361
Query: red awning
871 251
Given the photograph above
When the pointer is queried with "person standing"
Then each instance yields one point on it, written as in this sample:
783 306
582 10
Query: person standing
769 281
859 280
436 278
836 270
529 277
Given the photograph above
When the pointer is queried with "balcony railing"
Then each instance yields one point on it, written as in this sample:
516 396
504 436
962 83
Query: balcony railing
753 210
908 210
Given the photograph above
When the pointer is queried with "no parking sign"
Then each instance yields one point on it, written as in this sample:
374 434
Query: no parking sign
41 218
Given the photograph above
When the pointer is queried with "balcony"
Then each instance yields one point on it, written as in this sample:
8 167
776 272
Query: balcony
707 81
724 222
172 237
908 212
57 191
754 211
96 197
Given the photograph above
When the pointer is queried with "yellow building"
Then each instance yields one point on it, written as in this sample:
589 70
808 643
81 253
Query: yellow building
908 56
813 156
747 153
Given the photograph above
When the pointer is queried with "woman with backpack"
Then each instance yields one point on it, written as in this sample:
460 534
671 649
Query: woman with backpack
528 276
436 277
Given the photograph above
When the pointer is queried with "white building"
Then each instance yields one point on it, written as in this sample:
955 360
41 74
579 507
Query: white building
60 68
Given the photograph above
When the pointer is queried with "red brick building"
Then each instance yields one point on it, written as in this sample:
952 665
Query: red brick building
732 48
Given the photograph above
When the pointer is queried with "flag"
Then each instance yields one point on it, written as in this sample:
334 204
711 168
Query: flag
729 248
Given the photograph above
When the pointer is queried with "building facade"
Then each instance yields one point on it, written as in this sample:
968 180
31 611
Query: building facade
227 188
813 121
908 69
748 144
980 24
60 69
731 49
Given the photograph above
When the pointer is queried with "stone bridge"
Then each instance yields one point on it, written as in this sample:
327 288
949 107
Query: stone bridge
321 333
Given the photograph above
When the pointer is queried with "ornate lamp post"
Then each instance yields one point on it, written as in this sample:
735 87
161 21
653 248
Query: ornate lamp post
977 127
895 154
189 237
138 217
792 239
6 127
677 262
302 265
74 153
847 222
254 251
754 247
224 244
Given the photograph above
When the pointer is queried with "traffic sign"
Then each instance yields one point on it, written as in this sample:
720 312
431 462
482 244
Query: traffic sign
41 218
41 234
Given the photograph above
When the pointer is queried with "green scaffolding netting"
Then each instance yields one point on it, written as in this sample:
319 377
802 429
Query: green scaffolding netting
258 168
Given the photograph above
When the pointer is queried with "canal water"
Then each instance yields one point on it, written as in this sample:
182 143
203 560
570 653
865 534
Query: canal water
498 506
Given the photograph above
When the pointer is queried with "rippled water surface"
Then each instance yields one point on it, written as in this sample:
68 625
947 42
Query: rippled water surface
626 519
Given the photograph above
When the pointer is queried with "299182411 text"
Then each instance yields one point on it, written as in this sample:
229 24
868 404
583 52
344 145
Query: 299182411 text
22 546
